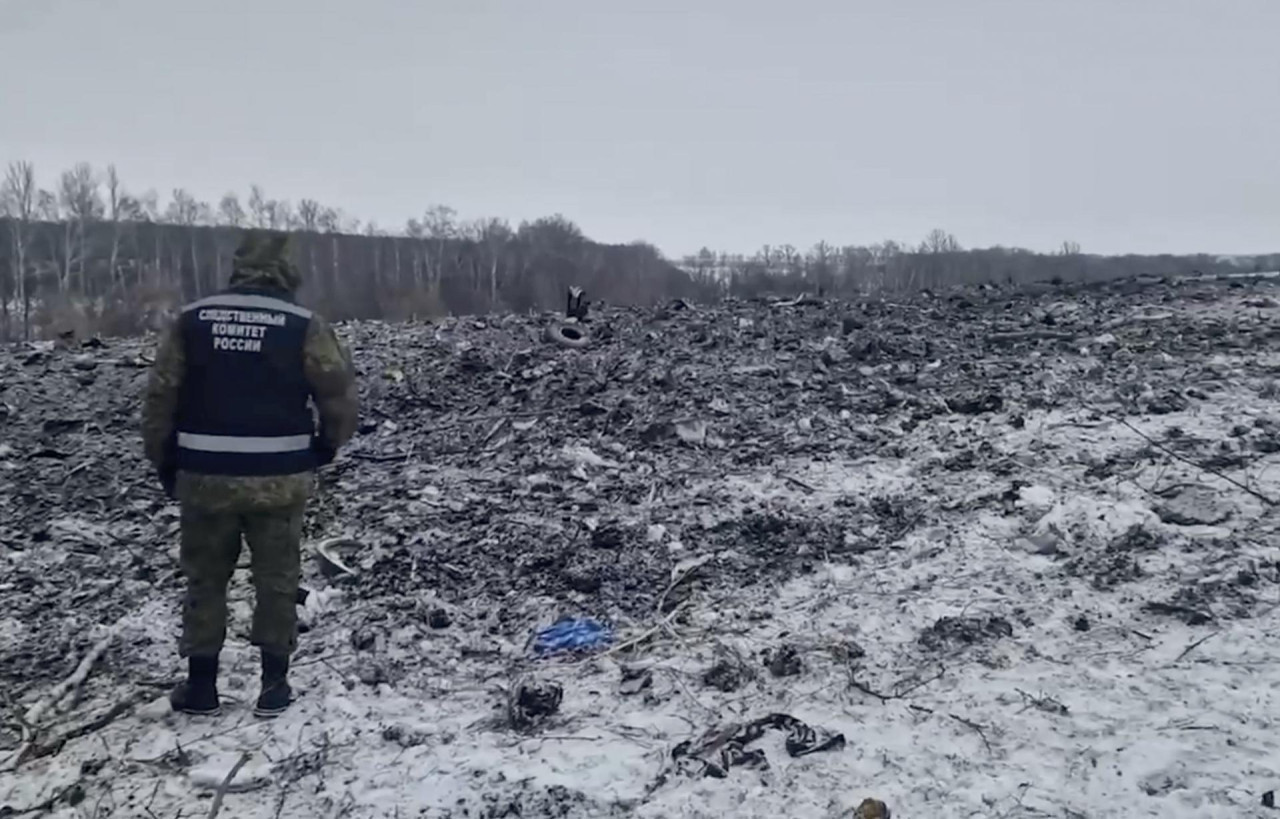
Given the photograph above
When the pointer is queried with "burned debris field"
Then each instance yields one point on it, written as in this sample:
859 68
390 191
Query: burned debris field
985 552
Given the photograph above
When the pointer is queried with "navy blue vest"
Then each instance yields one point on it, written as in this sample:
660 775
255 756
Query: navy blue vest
243 406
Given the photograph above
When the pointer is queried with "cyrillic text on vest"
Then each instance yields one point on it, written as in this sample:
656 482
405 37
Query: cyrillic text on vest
245 336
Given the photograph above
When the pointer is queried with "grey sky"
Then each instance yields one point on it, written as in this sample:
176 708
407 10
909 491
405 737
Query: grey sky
1125 125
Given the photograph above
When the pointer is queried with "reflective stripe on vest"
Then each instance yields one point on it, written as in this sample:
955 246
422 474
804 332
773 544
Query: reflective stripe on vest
249 300
243 444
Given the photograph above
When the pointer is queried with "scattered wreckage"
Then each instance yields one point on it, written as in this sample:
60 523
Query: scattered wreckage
635 488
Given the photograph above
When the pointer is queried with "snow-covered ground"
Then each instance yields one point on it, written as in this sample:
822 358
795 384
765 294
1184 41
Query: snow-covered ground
1110 652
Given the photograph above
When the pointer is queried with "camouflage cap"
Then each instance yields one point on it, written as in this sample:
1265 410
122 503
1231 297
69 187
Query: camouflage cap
262 260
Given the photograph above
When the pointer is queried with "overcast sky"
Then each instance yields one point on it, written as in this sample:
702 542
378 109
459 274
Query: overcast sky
1124 125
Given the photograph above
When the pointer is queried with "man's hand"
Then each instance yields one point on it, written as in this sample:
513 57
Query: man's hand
169 479
167 469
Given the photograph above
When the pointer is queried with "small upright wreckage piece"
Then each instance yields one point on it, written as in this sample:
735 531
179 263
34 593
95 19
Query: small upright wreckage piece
576 307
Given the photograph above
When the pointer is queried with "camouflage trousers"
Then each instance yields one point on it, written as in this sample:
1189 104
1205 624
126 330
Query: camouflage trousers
211 542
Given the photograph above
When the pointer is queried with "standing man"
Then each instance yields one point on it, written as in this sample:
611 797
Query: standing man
226 423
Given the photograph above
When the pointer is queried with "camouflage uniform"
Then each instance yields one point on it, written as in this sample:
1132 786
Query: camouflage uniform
267 510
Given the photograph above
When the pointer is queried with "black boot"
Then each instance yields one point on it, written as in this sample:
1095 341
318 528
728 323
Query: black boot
276 693
198 695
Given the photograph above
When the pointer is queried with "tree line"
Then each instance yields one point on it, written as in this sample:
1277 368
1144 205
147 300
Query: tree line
90 255
935 263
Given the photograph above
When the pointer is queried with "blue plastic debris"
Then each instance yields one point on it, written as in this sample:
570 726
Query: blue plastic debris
572 634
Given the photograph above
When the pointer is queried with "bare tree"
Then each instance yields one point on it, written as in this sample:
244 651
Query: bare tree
18 199
149 204
441 224
123 210
424 230
331 220
185 210
149 214
819 267
792 262
703 264
935 266
230 212
494 236
280 215
765 255
308 221
309 215
885 259
78 192
857 268
259 208
50 210
939 241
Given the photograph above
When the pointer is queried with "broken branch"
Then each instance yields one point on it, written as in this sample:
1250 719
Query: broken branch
1195 645
32 718
968 723
898 694
226 783
1210 470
